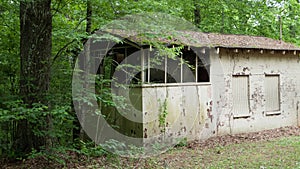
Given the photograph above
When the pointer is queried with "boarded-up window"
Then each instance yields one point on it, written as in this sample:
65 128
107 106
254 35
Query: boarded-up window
272 93
240 92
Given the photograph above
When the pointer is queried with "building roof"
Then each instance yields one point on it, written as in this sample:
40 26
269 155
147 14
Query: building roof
244 41
198 39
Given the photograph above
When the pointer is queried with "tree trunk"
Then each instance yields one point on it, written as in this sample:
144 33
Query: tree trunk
197 14
79 132
89 11
35 53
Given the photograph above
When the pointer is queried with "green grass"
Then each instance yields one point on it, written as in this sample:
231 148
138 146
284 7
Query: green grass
279 153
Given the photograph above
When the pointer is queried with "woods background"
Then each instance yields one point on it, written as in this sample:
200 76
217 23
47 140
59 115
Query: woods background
41 39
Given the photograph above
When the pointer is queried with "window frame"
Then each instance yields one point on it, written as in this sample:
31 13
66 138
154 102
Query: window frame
144 76
146 73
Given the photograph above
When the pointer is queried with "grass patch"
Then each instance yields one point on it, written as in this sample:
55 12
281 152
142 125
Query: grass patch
277 153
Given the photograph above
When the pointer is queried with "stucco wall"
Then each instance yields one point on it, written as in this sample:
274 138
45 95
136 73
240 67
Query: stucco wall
256 64
188 108
203 110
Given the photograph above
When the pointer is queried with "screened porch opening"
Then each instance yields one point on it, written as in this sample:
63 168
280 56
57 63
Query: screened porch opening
136 66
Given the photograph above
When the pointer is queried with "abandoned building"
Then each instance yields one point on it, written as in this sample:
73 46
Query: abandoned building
233 84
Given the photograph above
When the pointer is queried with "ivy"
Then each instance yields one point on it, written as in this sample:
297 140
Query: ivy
163 114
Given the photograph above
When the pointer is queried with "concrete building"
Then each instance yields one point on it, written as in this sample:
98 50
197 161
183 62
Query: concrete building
231 84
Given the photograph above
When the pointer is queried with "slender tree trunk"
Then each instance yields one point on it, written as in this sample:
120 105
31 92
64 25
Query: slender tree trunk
292 28
280 28
79 133
223 22
89 12
197 14
35 53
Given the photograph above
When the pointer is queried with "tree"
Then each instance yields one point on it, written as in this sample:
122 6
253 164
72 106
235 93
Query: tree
79 132
35 53
27 77
197 14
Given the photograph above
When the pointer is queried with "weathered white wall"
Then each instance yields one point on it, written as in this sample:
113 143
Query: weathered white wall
203 110
188 107
256 65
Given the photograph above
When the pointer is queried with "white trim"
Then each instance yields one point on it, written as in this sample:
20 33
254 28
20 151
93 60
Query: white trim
261 51
149 65
218 50
269 113
176 84
126 68
166 69
241 116
196 67
143 66
181 67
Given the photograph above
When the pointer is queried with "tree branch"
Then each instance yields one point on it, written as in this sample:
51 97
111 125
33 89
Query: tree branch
61 50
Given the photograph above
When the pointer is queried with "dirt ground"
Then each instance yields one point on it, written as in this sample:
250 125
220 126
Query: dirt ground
103 162
246 137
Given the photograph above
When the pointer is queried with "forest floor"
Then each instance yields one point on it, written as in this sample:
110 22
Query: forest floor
277 148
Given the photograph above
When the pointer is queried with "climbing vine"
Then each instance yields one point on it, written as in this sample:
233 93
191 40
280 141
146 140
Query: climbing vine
163 115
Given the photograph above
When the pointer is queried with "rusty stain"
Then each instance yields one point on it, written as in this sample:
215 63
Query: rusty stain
145 133
245 69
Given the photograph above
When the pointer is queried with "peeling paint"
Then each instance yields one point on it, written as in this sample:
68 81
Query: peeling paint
256 66
199 111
